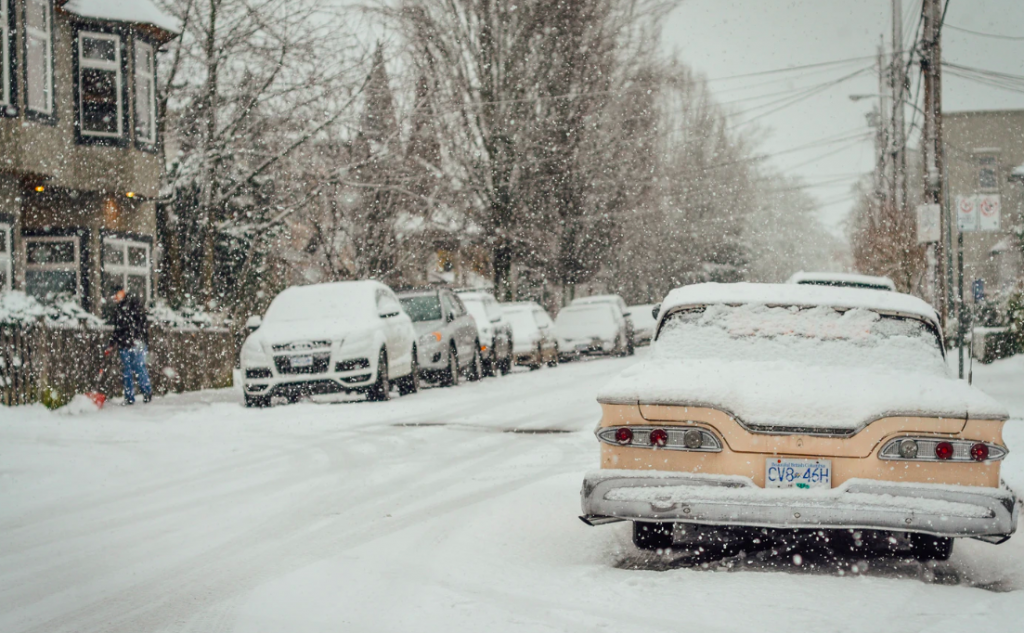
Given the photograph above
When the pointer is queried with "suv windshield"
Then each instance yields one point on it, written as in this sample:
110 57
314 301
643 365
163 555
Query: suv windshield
422 307
818 335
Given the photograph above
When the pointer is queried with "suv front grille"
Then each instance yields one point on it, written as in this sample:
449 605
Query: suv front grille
319 365
302 346
258 373
352 365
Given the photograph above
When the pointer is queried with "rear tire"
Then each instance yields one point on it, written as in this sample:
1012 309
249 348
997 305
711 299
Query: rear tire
928 547
652 536
258 402
475 371
380 391
408 385
505 365
554 360
450 376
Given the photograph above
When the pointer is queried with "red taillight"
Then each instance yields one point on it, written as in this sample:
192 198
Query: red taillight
624 436
979 452
659 437
944 450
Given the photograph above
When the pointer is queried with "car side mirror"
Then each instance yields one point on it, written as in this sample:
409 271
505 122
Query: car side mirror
655 310
388 315
253 323
496 319
449 317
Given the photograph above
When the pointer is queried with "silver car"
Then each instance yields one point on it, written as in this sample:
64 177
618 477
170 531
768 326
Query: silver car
446 335
494 330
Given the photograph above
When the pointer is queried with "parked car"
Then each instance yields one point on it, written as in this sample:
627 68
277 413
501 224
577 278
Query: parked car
349 336
533 334
644 318
447 336
843 280
766 409
592 328
620 305
494 332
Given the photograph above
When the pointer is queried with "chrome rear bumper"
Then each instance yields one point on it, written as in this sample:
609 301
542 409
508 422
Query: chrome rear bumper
954 511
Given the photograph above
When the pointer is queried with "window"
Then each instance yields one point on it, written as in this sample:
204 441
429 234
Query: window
6 248
145 93
100 94
6 98
39 56
52 267
126 265
988 173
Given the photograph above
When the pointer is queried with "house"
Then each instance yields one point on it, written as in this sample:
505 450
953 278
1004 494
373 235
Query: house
80 151
983 151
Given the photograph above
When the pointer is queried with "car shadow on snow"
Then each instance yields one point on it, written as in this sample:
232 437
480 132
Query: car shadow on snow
809 554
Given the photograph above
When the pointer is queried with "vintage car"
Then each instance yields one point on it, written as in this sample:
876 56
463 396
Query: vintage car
780 408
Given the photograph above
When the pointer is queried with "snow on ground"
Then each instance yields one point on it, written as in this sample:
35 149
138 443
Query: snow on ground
454 509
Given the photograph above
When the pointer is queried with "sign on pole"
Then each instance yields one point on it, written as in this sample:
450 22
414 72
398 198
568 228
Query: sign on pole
928 223
966 213
988 206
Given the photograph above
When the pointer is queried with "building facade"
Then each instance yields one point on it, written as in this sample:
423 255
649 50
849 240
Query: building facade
80 152
982 151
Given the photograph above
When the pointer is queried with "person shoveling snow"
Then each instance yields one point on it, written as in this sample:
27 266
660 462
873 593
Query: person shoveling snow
131 339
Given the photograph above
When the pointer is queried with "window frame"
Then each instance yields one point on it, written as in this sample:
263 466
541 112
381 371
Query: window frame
150 143
8 60
48 115
7 254
126 269
76 265
118 66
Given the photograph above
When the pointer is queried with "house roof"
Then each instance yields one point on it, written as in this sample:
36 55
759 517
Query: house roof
133 11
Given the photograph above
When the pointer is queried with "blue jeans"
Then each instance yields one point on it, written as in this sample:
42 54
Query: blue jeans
133 365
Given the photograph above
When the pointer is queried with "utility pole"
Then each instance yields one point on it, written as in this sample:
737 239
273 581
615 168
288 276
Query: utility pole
931 141
898 139
883 177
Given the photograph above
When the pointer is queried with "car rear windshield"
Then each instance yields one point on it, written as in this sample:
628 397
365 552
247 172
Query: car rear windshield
476 308
817 335
422 307
590 321
521 320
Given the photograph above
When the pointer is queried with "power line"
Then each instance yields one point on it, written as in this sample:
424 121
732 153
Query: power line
837 62
790 101
1014 38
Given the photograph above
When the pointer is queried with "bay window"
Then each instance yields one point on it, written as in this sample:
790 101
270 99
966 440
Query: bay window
126 264
39 56
100 93
53 267
145 93
6 250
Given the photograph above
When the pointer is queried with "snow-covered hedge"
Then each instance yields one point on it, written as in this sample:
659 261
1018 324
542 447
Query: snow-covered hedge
17 308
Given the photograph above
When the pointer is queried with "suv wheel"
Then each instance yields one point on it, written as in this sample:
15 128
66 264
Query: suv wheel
408 385
475 371
380 391
450 376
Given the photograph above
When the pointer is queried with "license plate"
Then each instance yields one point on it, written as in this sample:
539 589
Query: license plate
302 361
797 473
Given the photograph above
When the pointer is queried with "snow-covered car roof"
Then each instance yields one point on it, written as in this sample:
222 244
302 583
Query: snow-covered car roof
850 280
352 298
597 299
515 306
133 11
473 295
798 295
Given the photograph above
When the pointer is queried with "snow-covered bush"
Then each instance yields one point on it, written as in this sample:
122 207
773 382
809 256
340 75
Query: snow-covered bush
184 317
18 308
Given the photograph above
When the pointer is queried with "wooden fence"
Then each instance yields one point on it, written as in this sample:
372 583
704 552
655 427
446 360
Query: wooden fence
51 364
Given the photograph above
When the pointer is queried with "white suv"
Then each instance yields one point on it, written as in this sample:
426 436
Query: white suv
349 336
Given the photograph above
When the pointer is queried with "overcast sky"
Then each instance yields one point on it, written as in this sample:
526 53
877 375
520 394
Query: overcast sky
724 38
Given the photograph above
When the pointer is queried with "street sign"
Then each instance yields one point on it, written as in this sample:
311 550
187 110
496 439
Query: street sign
928 223
966 213
989 207
979 290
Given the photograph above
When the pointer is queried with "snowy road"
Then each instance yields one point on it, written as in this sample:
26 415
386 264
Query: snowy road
452 510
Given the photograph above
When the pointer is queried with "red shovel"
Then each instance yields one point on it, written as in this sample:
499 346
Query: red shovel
98 397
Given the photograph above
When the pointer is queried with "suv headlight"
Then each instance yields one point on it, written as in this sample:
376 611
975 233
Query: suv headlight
253 352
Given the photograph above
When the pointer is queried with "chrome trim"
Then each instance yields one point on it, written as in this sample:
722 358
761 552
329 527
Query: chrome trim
676 442
959 511
926 450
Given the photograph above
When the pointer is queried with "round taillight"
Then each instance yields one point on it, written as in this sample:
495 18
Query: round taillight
908 449
944 450
693 439
624 436
979 452
659 437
